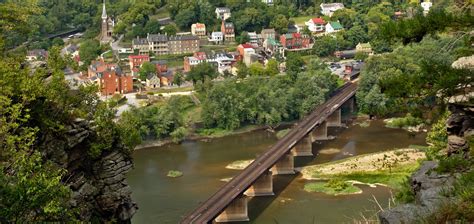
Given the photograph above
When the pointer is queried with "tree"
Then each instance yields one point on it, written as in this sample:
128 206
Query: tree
356 35
58 42
170 29
242 70
146 69
280 23
325 46
294 65
201 71
178 78
243 38
89 50
256 69
152 27
272 67
185 18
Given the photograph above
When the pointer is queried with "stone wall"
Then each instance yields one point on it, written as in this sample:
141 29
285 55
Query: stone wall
99 189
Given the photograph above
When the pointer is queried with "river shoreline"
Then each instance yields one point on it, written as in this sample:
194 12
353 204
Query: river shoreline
148 144
196 137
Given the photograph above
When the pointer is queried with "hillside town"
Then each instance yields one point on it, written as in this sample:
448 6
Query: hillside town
113 76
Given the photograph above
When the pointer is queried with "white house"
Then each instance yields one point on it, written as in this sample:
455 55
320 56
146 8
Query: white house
333 27
268 2
223 13
253 37
216 37
328 9
316 24
426 5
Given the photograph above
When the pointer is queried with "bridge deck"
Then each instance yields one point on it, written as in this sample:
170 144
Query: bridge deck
211 208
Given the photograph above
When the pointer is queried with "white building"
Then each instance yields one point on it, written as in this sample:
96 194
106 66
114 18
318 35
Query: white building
268 2
328 9
426 5
253 37
223 13
333 27
316 24
216 37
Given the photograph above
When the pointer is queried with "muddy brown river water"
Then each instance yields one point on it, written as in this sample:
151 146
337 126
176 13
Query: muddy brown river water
165 200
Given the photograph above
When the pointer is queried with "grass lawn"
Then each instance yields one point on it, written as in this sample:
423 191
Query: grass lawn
300 20
208 48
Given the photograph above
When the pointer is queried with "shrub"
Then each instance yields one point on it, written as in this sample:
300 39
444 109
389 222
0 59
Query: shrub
174 173
405 193
178 134
453 163
337 184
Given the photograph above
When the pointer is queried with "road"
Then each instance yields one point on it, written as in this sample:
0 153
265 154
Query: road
208 210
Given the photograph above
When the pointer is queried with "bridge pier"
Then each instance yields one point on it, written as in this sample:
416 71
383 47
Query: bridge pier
286 165
350 104
263 186
334 120
320 132
236 211
303 147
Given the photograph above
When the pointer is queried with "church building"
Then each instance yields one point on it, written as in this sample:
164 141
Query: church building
107 27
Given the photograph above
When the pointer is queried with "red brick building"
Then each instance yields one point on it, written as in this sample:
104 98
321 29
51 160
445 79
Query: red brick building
110 78
136 61
227 29
294 41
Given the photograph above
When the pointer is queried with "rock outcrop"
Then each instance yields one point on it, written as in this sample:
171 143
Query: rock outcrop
427 185
99 188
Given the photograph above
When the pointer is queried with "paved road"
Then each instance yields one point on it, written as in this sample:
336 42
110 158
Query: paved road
208 210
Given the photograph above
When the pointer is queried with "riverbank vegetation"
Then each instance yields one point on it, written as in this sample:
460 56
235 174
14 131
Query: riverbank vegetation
390 168
333 187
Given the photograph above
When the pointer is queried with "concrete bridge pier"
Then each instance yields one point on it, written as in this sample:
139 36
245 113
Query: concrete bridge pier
320 132
286 165
334 120
303 147
263 186
350 104
236 211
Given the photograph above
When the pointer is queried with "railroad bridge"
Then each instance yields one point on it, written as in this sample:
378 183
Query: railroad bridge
229 203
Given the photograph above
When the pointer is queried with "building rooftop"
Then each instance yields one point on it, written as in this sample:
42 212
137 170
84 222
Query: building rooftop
199 25
157 37
332 5
336 25
183 37
140 41
318 20
229 25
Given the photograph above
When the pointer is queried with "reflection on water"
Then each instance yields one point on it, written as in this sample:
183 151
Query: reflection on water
166 200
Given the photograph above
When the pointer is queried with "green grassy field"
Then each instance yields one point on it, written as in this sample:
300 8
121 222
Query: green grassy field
300 20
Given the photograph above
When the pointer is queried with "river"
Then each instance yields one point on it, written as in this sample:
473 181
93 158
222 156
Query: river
165 200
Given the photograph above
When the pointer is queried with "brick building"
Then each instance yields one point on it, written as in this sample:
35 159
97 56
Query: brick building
294 41
109 78
228 30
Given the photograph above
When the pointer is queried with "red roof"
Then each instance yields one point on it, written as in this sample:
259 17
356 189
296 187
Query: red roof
138 56
200 55
319 21
247 46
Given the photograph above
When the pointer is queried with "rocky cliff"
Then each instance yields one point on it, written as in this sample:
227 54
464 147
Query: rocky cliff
428 185
99 189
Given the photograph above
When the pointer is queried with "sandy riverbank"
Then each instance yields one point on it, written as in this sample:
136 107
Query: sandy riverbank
381 161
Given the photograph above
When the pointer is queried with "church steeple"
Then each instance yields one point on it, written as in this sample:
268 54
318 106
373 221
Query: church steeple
104 12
